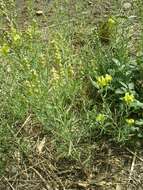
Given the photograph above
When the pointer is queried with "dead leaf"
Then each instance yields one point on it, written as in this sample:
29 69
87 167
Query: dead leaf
83 184
17 156
40 145
118 187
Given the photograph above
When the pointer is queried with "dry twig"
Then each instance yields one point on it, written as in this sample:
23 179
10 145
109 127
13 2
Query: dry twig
9 183
134 154
42 178
23 125
132 167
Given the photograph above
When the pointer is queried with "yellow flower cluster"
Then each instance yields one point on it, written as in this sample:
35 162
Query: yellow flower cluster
42 60
70 71
100 118
111 22
15 36
130 121
31 87
4 49
30 32
55 75
27 84
57 54
62 72
103 81
60 75
128 98
58 57
34 73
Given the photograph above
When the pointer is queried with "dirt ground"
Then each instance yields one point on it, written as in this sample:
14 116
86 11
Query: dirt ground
113 168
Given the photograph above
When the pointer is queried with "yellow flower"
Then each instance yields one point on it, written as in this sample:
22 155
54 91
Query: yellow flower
128 98
55 74
58 59
101 81
16 37
42 59
100 118
57 53
27 84
5 49
130 121
104 81
34 73
70 71
30 32
108 78
111 21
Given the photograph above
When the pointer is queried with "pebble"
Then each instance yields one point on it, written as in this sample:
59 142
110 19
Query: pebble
13 170
127 6
38 13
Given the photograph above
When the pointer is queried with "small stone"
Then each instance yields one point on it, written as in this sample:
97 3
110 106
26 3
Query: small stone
14 170
127 6
40 12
